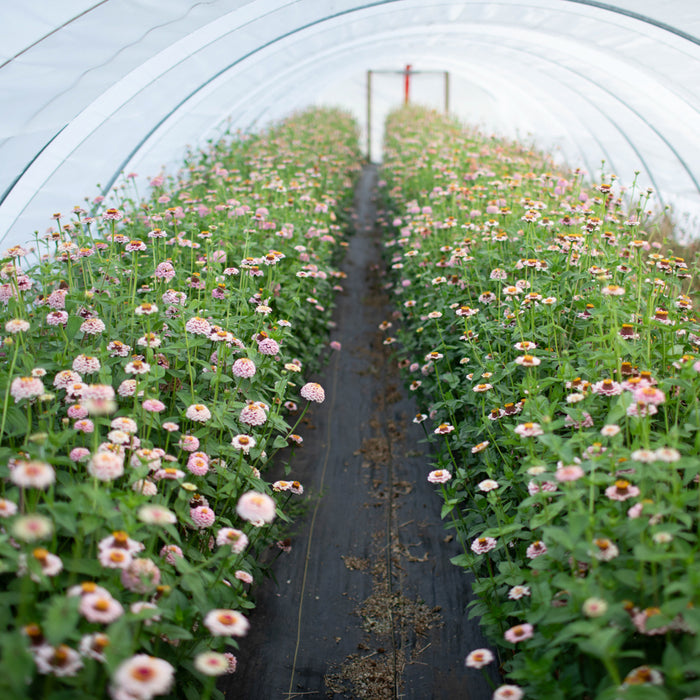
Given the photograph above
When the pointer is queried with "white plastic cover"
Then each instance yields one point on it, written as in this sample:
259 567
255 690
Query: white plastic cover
93 89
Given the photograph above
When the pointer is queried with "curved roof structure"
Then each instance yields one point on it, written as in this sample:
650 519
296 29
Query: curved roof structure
96 88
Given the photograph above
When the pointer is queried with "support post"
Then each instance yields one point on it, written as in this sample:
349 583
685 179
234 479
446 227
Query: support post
369 116
447 92
407 84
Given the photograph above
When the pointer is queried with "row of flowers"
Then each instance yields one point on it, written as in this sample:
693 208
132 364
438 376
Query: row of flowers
154 358
553 349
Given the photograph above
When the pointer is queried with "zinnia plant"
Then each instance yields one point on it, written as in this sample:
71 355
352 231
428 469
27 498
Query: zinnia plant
553 349
154 357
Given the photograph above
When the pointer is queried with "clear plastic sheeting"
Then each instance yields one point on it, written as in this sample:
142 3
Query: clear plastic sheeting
96 89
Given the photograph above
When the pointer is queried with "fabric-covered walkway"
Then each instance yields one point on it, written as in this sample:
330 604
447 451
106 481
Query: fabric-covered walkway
367 603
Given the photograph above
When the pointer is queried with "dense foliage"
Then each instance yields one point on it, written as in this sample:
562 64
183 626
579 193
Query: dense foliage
154 355
554 351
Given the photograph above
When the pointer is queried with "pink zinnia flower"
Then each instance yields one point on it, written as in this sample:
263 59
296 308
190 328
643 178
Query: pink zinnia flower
26 388
106 466
244 367
605 550
156 514
313 392
226 623
439 476
529 429
198 413
518 592
481 545
257 508
479 658
61 661
536 549
519 633
189 443
649 395
56 318
443 429
621 490
570 472
141 576
115 558
153 406
84 364
507 692
211 663
34 474
243 576
253 414
197 465
268 346
244 443
198 326
202 516
143 676
171 553
95 607
93 326
236 539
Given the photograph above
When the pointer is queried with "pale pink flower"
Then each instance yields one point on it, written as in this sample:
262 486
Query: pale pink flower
507 692
189 443
114 558
32 527
268 346
93 326
439 476
170 426
17 325
607 387
94 645
143 676
84 426
127 388
96 607
202 516
244 368
518 592
621 490
529 429
77 412
198 413
481 545
197 465
198 326
536 549
153 406
7 508
256 507
137 367
649 395
610 430
65 378
145 309
236 539
313 392
211 663
145 487
61 661
253 414
519 633
487 485
171 553
226 623
569 472
33 474
605 550
479 658
141 576
443 429
85 364
243 576
120 540
155 514
118 349
106 466
26 388
244 443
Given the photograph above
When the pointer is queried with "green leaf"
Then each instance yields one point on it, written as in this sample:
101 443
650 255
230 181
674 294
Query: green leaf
61 619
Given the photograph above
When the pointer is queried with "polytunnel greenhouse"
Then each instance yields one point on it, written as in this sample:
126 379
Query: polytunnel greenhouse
349 349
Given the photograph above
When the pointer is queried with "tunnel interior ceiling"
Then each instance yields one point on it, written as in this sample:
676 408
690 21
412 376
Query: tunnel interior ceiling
94 89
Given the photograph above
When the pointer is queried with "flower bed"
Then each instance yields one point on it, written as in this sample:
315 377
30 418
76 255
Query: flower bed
554 351
154 358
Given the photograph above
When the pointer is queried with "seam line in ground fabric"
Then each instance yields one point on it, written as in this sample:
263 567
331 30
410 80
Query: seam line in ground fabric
313 522
390 540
